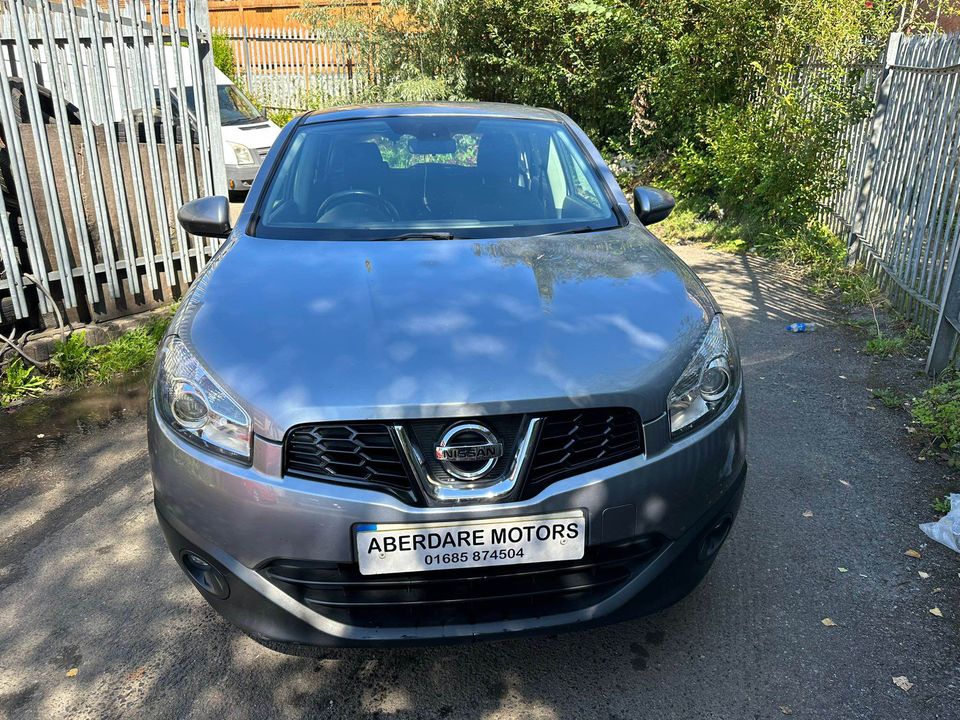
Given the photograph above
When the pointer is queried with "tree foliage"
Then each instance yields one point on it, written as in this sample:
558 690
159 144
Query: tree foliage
223 57
744 99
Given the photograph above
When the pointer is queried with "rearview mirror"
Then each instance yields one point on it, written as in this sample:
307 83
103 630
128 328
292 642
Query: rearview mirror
652 205
433 146
206 216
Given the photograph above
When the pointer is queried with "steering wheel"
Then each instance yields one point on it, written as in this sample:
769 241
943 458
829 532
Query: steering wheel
365 196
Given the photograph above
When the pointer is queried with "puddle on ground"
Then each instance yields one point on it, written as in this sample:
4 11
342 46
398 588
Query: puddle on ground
58 415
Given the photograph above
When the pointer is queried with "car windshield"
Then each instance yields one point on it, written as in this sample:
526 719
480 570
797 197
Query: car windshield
235 109
444 176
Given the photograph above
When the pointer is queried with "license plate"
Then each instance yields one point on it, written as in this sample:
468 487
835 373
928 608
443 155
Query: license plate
422 547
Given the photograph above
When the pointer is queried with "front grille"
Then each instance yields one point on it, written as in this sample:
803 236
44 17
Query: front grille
575 441
364 453
339 592
359 453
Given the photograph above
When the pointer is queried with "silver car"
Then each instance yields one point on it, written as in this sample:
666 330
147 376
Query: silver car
439 384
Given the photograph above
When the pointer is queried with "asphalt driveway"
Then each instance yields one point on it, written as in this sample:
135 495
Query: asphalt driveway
87 584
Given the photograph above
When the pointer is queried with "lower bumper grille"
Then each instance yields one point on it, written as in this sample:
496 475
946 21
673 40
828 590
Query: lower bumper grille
462 596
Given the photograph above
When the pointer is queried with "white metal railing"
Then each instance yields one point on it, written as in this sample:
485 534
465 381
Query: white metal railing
899 206
98 154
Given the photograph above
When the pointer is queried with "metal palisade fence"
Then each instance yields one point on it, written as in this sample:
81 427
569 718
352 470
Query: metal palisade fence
298 69
900 207
109 120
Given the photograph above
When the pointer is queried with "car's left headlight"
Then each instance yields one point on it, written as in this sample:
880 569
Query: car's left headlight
241 153
708 383
197 407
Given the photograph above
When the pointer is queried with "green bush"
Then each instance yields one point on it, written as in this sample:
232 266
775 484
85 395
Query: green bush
764 145
281 117
416 89
585 58
937 411
590 59
710 53
775 160
223 57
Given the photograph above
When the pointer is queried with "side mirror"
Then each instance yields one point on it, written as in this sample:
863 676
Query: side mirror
206 216
652 205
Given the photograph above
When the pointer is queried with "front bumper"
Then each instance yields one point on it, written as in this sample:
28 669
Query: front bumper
240 177
242 519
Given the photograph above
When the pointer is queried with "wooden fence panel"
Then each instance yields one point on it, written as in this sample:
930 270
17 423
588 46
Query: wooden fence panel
298 69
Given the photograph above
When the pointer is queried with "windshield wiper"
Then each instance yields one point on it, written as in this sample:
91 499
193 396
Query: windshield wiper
575 231
420 236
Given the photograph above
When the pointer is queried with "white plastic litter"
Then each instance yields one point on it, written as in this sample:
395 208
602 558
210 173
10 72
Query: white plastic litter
946 531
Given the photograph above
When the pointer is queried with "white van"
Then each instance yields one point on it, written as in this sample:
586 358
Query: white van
247 134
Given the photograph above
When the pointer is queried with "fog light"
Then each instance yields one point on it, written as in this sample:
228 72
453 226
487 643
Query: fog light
205 575
714 538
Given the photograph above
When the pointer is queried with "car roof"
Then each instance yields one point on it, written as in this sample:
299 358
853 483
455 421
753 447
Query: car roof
485 109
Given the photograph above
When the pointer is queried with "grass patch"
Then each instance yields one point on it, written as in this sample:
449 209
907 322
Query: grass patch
131 351
74 363
941 505
916 335
886 346
890 397
811 247
901 338
693 222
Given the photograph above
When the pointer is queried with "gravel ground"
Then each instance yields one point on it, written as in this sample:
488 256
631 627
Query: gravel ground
87 584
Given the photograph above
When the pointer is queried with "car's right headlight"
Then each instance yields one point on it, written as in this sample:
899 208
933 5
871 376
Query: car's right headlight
197 407
708 383
241 153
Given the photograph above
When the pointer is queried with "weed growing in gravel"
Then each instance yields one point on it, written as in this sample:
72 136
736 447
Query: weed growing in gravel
911 339
889 397
941 505
916 335
18 381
